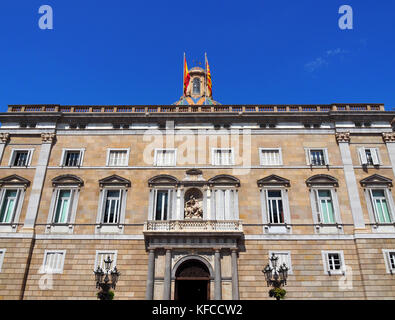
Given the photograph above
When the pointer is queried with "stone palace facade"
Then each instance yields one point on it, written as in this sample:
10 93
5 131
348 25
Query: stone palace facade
190 199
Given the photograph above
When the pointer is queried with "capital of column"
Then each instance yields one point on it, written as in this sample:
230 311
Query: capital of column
4 137
48 137
343 137
389 137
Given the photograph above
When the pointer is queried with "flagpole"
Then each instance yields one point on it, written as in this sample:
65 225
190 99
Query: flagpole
205 87
183 70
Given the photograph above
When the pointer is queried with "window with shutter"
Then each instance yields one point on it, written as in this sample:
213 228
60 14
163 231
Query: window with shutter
103 255
270 157
118 158
2 254
9 205
165 157
223 157
53 261
380 206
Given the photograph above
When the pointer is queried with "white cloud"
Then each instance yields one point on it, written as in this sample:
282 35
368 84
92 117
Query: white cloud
322 61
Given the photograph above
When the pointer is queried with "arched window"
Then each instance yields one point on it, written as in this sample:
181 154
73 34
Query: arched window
196 86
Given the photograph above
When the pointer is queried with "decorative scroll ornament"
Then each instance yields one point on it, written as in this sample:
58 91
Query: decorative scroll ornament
48 137
193 209
4 137
389 137
343 137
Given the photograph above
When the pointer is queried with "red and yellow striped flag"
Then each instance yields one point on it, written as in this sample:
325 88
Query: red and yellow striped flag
187 76
209 84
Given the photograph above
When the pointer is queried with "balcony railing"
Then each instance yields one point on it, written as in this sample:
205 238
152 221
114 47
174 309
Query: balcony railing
194 225
199 109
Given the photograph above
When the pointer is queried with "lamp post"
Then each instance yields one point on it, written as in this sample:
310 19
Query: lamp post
103 279
276 277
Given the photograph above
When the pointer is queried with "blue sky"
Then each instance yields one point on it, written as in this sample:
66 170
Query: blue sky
260 52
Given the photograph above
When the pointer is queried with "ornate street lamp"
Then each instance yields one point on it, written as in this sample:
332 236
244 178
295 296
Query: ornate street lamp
276 277
103 280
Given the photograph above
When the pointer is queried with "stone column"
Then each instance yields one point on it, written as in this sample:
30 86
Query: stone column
149 294
389 139
343 139
38 182
167 278
217 275
4 138
235 276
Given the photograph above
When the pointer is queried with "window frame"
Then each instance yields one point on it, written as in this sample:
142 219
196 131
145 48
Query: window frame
232 156
171 203
388 266
285 203
122 194
117 149
282 252
64 153
2 255
21 190
316 205
157 151
270 149
114 263
233 205
325 259
30 152
44 266
72 211
325 154
363 158
372 207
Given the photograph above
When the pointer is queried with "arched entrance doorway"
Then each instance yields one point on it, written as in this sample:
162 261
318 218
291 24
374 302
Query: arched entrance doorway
192 281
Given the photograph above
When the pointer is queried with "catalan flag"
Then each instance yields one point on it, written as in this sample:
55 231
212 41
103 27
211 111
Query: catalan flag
187 76
209 84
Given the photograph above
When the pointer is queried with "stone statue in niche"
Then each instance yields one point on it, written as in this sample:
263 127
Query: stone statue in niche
193 208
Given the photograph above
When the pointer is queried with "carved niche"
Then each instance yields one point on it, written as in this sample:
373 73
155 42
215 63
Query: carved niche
193 208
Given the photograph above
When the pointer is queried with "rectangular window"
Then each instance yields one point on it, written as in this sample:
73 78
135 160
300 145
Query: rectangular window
380 206
326 211
275 206
165 157
118 158
20 158
270 157
369 156
226 204
222 157
112 205
162 204
103 255
391 260
53 261
317 157
63 206
333 262
283 257
2 254
72 158
8 205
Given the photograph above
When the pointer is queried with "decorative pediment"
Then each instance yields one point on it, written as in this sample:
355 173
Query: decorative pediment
224 179
67 180
322 180
115 180
376 179
273 180
163 180
14 180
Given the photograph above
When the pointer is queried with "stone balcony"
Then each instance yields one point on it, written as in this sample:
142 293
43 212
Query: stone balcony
193 225
193 234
